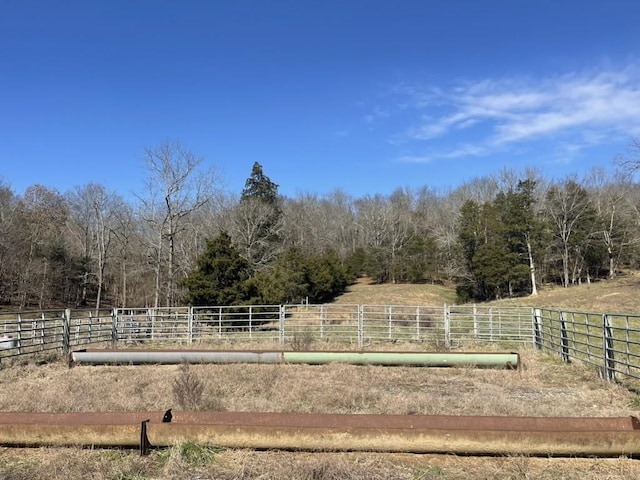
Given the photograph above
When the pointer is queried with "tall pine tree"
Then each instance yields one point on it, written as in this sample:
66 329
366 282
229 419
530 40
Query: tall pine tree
220 276
259 221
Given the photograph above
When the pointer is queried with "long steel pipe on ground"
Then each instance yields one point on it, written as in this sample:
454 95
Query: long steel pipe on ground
423 359
466 435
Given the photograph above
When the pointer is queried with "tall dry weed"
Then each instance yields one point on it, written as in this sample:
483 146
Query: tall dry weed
188 388
302 340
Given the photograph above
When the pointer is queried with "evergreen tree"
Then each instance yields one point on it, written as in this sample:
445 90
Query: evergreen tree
259 220
468 241
296 278
523 233
220 276
416 260
493 260
494 246
260 187
377 264
327 277
285 282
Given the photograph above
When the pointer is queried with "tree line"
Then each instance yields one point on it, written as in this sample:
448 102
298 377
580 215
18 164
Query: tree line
182 239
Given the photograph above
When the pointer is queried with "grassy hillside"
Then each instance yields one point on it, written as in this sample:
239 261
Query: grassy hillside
620 295
364 291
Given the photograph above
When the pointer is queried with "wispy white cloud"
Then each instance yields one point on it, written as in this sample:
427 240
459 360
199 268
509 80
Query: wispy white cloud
376 114
575 110
415 159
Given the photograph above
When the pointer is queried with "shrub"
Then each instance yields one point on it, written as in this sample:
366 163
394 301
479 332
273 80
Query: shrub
302 340
188 389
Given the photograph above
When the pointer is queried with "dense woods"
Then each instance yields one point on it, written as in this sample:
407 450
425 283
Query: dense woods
183 240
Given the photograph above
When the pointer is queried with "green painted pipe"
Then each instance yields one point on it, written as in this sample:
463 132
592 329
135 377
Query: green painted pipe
422 359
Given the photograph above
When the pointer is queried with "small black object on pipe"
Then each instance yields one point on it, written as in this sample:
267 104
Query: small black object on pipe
167 416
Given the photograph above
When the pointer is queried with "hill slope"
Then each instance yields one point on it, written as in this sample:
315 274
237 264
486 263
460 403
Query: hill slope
364 292
619 295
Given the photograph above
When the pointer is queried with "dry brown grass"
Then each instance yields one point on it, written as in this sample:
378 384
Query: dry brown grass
619 295
364 291
183 463
543 386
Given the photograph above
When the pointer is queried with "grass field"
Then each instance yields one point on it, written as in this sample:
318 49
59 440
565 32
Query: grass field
544 386
620 295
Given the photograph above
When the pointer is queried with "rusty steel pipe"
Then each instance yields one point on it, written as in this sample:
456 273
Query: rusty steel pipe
468 435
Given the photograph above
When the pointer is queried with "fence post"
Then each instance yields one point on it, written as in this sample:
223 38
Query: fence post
564 339
114 326
491 323
34 326
90 326
19 339
537 328
475 321
66 330
190 325
447 326
360 326
281 333
609 359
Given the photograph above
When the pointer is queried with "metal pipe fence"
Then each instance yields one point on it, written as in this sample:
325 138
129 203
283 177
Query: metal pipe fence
609 342
31 332
358 325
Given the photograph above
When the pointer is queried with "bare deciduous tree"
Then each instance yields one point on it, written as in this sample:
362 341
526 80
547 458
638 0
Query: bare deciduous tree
43 214
629 161
255 237
8 258
176 187
127 235
568 205
316 224
614 212
93 220
258 224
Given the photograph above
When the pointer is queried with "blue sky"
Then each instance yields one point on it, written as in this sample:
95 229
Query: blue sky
365 96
